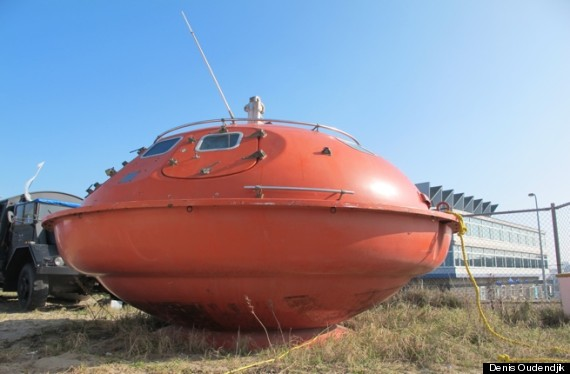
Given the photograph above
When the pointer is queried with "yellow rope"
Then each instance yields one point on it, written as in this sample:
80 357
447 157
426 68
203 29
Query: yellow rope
259 363
503 357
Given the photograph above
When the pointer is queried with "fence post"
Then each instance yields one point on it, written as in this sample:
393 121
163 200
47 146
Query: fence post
556 240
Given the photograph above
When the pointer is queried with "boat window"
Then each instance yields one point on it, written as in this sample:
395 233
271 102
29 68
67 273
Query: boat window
161 147
216 142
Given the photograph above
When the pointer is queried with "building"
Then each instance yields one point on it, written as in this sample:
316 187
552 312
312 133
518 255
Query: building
499 252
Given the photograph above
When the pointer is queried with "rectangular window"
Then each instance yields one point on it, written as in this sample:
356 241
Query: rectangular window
217 142
477 260
526 262
485 232
475 230
19 214
161 147
501 263
29 213
517 238
449 259
47 209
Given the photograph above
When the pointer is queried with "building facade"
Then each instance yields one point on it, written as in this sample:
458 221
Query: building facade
500 253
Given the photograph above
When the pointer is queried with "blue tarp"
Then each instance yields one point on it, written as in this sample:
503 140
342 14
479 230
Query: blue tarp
58 202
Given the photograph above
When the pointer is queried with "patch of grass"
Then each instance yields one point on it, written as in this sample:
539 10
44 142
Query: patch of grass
432 331
532 315
426 338
418 330
422 297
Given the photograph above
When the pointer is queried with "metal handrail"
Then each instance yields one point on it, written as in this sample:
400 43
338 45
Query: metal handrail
264 121
259 189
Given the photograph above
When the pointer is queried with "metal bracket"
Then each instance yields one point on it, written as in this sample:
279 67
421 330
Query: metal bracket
259 155
326 151
258 192
110 172
208 169
138 150
258 134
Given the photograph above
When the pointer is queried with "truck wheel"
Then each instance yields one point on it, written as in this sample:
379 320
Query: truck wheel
33 289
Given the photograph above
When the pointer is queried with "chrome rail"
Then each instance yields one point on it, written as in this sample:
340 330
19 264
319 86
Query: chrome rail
264 121
259 190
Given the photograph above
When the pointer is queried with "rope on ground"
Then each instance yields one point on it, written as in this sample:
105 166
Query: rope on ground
259 363
502 357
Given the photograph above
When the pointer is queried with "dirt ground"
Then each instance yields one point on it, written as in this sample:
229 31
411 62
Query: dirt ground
36 342
83 338
21 332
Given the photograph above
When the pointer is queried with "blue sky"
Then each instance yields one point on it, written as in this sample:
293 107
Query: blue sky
472 95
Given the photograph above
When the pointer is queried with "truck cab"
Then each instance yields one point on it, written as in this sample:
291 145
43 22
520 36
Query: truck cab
30 263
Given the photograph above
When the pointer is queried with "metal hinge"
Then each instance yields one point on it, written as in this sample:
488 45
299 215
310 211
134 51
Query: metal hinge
260 133
258 155
208 169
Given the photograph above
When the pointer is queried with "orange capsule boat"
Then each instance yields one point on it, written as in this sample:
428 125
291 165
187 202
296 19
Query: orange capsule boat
252 223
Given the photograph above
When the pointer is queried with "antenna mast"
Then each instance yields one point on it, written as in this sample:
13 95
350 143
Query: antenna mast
208 65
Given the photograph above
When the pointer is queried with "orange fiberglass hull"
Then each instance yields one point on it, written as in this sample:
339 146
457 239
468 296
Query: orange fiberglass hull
254 224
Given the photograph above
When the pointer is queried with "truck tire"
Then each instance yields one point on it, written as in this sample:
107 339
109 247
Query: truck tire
33 289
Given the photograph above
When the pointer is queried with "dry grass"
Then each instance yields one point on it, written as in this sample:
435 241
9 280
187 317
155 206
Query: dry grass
443 332
416 331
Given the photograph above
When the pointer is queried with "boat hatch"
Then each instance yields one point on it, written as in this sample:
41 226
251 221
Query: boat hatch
161 147
208 155
219 142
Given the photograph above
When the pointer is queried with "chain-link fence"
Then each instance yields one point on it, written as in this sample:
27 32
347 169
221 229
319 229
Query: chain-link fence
507 256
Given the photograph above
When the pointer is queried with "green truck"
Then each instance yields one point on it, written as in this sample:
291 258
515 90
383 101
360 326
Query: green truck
30 263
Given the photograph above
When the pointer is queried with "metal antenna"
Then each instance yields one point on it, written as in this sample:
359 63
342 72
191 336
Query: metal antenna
208 65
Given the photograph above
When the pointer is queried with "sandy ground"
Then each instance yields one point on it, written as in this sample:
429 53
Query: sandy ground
32 343
20 334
